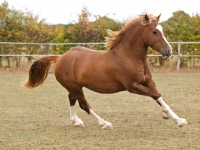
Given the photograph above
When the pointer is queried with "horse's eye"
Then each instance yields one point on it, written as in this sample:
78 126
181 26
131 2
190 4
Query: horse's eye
154 32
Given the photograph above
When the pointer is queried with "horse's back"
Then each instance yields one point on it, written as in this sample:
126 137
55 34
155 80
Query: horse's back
82 55
81 49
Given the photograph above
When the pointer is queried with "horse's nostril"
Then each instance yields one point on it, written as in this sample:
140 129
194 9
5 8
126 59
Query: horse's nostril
169 52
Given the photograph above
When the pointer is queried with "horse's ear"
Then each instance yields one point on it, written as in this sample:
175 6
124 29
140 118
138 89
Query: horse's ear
158 17
146 17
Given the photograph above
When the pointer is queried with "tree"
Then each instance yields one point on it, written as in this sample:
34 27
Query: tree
4 10
182 27
60 36
177 26
11 21
18 26
80 30
36 31
86 30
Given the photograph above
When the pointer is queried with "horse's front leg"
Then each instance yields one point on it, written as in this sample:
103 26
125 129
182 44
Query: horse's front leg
167 112
150 90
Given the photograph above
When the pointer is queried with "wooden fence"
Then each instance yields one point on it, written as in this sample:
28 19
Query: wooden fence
45 49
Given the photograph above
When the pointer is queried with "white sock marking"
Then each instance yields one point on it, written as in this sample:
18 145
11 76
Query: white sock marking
74 118
104 124
168 112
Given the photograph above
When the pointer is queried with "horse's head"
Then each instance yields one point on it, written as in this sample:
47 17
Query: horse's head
154 37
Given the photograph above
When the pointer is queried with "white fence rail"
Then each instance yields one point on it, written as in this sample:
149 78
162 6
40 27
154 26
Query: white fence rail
47 45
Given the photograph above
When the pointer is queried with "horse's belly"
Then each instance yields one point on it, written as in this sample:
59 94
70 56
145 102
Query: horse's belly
105 87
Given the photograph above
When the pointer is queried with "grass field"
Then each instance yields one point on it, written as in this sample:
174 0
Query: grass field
39 118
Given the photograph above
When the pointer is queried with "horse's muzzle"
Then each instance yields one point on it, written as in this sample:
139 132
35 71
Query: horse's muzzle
167 54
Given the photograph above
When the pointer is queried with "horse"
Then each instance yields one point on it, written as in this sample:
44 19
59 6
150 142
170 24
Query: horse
122 67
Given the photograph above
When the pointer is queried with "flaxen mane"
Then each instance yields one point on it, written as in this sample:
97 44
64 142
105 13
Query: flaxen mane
116 36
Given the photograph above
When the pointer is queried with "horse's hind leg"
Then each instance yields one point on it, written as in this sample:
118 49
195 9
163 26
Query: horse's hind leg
102 123
75 120
85 106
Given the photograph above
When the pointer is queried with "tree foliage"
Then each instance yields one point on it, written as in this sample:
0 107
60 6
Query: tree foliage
89 30
86 30
24 26
182 27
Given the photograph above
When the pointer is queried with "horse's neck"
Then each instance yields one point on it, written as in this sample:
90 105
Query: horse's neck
133 46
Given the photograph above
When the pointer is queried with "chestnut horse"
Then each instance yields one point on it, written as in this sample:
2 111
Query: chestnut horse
122 67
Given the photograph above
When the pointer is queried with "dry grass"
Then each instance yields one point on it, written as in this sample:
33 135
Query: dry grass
39 118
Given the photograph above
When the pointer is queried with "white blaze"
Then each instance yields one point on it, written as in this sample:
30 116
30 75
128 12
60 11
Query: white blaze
159 27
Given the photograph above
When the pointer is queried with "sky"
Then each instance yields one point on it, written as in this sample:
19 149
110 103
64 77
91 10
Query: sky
66 11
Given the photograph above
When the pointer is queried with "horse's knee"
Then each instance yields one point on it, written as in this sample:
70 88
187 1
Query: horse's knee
144 90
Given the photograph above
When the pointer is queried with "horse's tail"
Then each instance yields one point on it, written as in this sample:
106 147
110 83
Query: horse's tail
39 71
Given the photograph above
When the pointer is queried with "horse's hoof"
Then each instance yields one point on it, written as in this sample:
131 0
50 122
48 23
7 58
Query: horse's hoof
181 122
77 122
106 125
165 115
79 125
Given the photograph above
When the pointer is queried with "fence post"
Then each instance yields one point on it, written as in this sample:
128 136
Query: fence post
179 59
47 49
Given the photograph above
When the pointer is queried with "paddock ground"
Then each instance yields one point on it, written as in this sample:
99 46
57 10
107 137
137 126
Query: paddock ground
39 118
